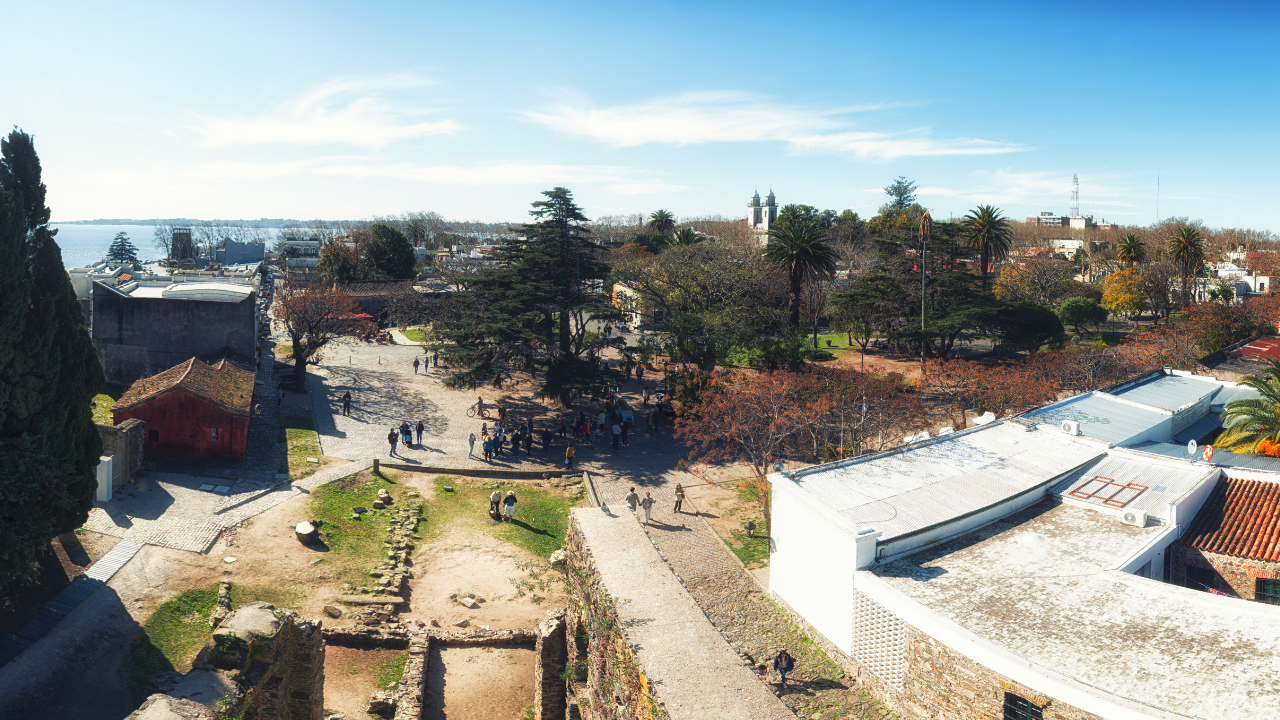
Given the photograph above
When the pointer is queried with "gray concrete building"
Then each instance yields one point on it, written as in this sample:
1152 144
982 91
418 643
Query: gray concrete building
143 328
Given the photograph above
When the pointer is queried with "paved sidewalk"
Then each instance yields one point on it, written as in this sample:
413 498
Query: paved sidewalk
696 674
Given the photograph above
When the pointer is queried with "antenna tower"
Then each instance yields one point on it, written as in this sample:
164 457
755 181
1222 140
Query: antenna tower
1075 196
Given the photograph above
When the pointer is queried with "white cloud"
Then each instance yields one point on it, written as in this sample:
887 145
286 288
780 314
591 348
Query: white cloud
505 173
710 117
338 112
647 188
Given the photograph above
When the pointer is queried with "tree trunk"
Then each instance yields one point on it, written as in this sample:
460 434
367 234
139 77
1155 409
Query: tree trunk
793 308
564 331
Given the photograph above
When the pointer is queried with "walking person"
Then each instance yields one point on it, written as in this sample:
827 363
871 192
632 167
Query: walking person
406 432
679 496
591 432
783 663
346 403
649 425
515 444
415 366
393 438
528 443
569 452
435 359
640 373
547 437
279 396
625 425
632 499
617 435
471 445
645 394
509 506
419 430
647 504
486 444
562 428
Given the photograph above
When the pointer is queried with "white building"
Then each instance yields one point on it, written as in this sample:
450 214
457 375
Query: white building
1023 564
762 217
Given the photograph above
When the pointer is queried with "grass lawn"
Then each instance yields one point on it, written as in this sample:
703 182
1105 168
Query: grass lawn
415 334
752 551
355 546
171 637
388 672
103 401
282 352
299 434
540 521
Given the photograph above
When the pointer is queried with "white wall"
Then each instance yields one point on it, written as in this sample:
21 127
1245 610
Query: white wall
812 561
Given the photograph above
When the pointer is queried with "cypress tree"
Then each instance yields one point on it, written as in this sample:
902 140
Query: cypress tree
122 250
388 254
49 374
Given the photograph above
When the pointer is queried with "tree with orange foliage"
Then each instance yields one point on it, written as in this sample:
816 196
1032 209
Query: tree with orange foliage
964 385
314 316
1263 262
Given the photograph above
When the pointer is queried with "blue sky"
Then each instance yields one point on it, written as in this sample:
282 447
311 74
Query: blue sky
347 110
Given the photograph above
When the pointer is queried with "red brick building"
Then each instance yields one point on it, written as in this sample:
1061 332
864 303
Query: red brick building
192 410
1234 544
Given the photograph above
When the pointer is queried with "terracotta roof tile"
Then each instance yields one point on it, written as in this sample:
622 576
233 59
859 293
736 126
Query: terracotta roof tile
1241 518
224 384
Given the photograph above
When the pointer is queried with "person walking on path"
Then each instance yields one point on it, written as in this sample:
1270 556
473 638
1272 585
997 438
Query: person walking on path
419 430
528 443
647 504
617 435
563 428
435 359
495 501
509 505
632 499
603 419
346 403
569 452
471 445
645 395
625 425
679 496
405 432
279 396
591 432
547 437
392 438
515 444
415 366
649 425
783 663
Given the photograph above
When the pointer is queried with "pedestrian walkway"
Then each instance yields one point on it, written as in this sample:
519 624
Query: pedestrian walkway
47 618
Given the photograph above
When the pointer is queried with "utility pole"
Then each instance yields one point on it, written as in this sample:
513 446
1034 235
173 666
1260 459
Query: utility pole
926 227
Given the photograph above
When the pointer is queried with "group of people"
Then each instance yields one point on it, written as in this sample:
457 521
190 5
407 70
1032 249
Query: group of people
521 436
502 508
403 433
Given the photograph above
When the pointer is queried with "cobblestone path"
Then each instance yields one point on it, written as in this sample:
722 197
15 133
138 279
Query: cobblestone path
749 620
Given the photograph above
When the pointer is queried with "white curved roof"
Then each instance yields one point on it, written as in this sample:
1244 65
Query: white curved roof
217 292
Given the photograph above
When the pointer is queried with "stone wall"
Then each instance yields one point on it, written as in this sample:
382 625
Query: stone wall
548 683
1232 575
164 707
605 682
125 443
279 661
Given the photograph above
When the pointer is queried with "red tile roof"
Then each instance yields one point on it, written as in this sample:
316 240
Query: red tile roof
1262 347
1241 518
224 384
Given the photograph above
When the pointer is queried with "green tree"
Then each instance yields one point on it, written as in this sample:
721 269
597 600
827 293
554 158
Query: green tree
651 241
987 231
49 374
1079 311
1252 421
687 236
1130 250
387 254
123 251
662 221
1186 248
1026 326
903 192
803 253
338 264
806 215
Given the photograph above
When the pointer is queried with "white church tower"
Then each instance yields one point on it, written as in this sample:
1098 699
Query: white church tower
761 217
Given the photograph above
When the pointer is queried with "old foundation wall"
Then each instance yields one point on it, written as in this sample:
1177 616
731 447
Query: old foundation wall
1234 576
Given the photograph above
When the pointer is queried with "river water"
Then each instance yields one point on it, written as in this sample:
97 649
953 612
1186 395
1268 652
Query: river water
83 245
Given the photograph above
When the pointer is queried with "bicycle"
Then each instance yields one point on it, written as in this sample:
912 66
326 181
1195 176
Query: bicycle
471 412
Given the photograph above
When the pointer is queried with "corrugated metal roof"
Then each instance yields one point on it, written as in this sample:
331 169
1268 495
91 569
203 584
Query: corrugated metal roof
1224 458
1226 395
1163 480
1241 518
1198 429
922 485
1101 417
1168 392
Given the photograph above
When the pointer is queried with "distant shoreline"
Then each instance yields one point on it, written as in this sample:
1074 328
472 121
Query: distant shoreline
260 222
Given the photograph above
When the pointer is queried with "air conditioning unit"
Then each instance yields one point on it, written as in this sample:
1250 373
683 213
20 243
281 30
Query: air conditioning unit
1071 427
1137 518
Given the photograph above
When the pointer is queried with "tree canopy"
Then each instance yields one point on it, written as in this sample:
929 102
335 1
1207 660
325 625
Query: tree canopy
387 254
122 250
49 374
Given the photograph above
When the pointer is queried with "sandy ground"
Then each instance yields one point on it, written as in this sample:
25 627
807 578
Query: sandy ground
720 507
349 677
461 563
479 683
880 364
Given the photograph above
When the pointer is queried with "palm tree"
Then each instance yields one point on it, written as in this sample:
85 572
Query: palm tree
1251 422
662 221
988 231
1187 249
802 250
688 236
1130 250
